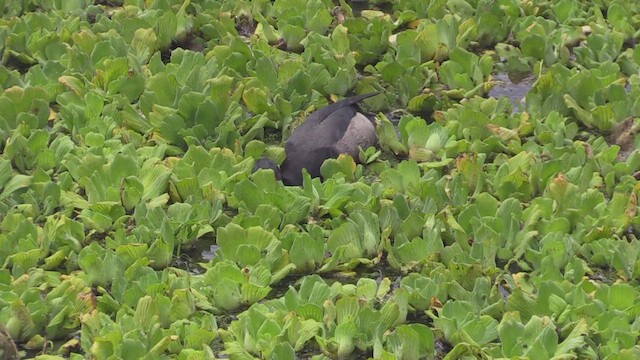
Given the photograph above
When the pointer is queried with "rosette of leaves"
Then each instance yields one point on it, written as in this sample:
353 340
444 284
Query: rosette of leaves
487 125
355 241
412 244
368 37
544 40
296 19
338 73
205 174
619 15
599 48
253 246
350 323
27 112
116 188
27 316
261 331
466 74
462 328
264 198
430 144
306 248
597 97
142 333
230 287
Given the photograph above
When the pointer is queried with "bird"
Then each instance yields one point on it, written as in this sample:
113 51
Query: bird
339 128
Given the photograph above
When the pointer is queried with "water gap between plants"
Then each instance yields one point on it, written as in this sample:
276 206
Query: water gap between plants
514 86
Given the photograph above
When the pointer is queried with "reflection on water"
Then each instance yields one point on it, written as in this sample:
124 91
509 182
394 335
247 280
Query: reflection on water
357 6
515 86
201 251
208 254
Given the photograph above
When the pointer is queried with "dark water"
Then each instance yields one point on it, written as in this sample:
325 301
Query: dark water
202 251
513 86
357 6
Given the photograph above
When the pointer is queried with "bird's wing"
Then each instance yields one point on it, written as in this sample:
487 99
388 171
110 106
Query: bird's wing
334 126
326 126
314 140
322 114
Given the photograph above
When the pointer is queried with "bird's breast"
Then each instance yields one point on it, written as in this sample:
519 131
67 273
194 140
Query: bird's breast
361 132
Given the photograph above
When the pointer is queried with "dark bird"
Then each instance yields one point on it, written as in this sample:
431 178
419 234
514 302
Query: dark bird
333 130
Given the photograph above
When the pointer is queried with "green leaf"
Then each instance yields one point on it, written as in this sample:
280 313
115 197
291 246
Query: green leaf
621 296
575 340
306 252
339 40
131 192
17 182
144 44
343 166
534 45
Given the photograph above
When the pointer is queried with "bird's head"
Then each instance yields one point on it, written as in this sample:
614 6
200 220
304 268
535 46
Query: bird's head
266 163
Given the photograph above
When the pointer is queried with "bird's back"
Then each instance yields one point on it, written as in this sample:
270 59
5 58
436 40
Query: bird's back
320 138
